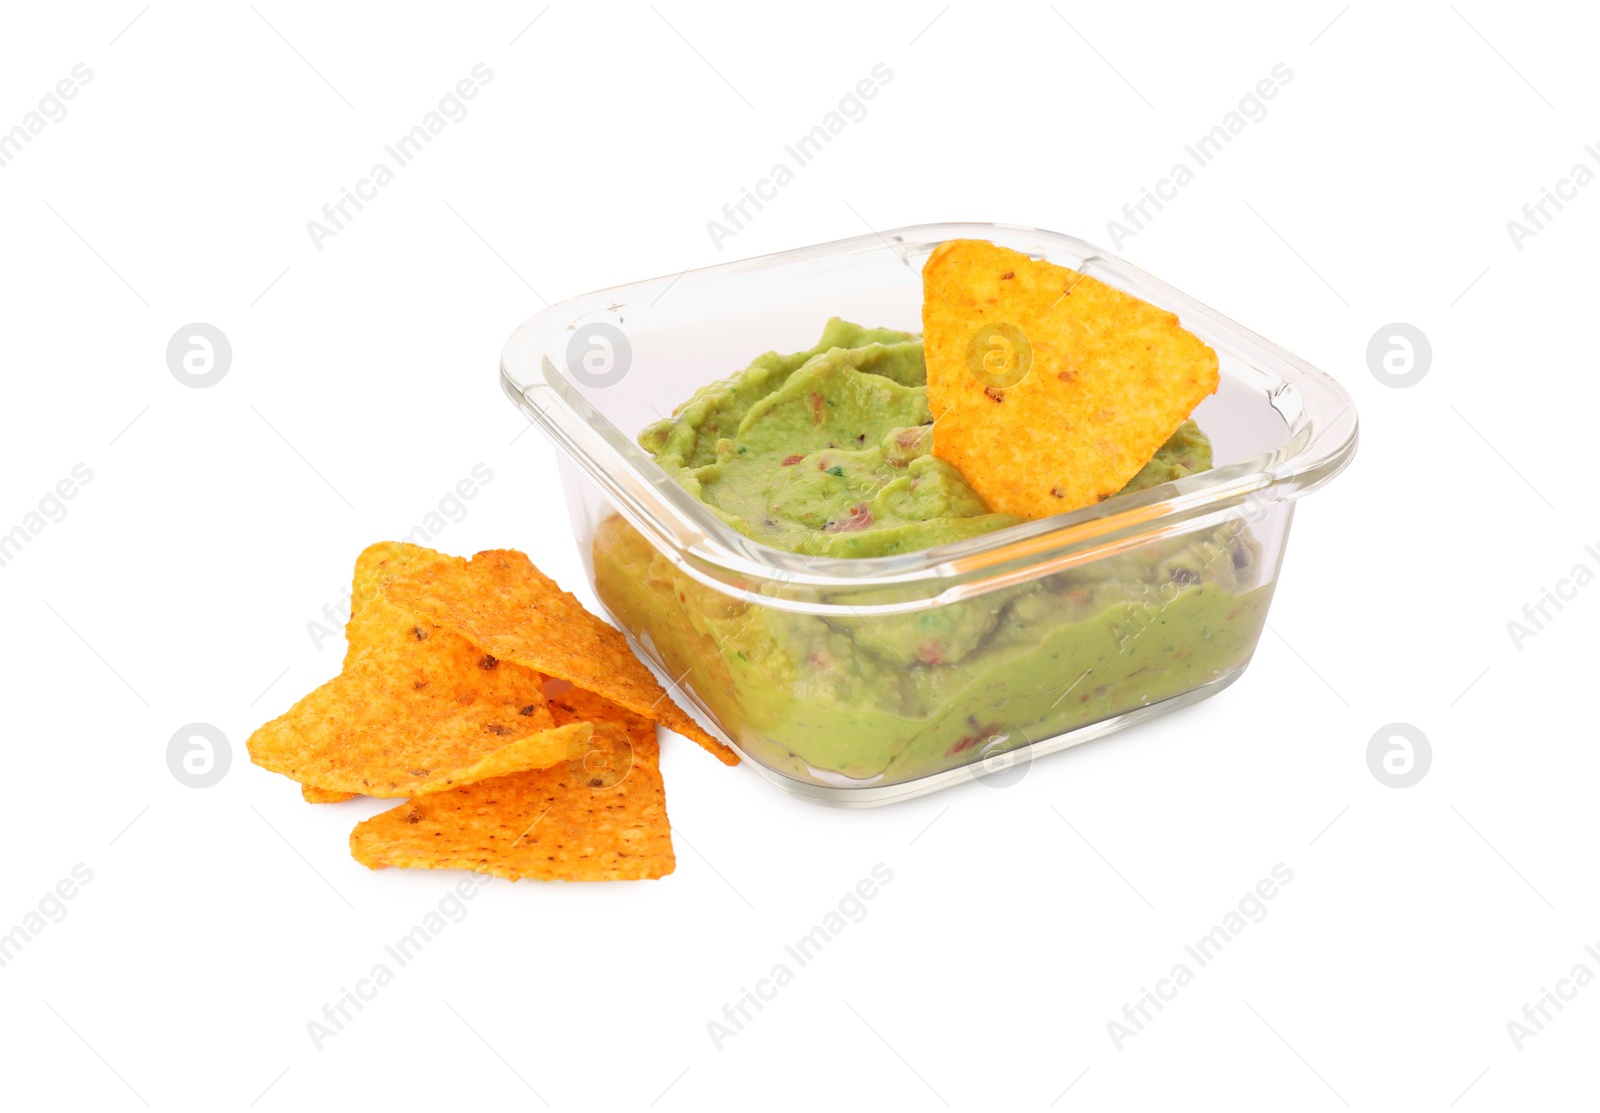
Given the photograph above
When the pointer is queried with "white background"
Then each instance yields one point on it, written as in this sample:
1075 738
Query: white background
219 522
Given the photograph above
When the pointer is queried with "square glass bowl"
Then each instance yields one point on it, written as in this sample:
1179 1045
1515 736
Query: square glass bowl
1045 634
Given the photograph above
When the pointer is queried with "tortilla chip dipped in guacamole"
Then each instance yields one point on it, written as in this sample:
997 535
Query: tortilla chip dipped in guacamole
1051 390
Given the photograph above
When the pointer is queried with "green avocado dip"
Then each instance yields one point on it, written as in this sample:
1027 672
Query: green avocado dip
828 452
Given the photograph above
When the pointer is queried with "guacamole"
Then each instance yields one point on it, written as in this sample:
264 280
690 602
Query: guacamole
827 452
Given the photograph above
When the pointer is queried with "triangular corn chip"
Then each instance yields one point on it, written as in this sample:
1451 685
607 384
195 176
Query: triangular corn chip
373 618
599 816
381 729
1049 389
503 604
416 709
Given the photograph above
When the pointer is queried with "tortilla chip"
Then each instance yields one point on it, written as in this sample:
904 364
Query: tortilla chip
1049 389
549 824
505 605
314 795
376 621
374 618
420 711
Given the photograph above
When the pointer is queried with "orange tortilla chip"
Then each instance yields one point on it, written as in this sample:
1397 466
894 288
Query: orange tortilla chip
381 731
373 618
314 795
599 816
1050 390
503 604
416 709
